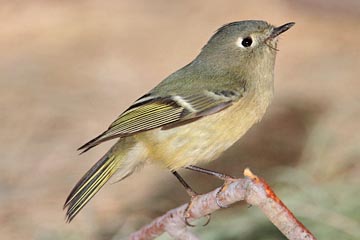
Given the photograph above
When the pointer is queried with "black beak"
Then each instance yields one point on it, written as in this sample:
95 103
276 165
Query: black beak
279 30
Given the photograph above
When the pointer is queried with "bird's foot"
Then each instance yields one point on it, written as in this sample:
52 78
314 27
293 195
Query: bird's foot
226 178
227 181
187 212
193 196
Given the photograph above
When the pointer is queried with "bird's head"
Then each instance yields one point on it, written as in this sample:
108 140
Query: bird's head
243 42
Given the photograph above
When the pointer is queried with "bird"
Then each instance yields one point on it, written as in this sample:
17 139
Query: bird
194 114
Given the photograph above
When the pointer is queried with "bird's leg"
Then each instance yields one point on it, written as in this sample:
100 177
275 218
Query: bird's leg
226 178
192 195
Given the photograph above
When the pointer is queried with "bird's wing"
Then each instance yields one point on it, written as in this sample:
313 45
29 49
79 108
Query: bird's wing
151 112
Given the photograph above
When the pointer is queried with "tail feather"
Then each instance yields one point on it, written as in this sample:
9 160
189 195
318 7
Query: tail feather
90 184
124 158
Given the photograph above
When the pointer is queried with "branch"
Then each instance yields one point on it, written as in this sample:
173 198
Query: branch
254 190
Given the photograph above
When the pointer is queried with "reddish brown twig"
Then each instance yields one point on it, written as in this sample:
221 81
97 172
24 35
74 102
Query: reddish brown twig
254 190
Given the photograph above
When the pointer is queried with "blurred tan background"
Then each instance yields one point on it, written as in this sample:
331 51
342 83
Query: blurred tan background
68 68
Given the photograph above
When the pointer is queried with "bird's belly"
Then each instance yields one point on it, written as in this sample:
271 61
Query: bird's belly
202 140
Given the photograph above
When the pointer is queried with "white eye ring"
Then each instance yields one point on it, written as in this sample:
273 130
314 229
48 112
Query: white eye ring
245 42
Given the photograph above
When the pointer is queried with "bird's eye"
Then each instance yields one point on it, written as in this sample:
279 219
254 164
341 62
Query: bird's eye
246 42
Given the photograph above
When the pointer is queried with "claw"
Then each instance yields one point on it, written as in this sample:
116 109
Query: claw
187 211
187 223
187 214
208 216
220 205
227 181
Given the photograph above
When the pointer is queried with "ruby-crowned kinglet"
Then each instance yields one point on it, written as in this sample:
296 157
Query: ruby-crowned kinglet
194 114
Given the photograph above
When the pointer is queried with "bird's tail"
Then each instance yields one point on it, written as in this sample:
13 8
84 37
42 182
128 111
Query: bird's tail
116 160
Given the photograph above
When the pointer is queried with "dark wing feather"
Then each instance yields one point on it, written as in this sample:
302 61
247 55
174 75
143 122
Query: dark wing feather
153 112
